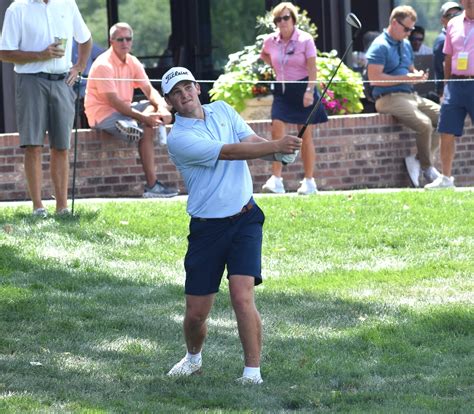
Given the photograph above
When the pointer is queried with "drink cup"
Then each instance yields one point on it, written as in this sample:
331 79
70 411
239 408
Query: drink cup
62 42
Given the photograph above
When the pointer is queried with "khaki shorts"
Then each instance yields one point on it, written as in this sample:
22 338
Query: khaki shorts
44 105
108 124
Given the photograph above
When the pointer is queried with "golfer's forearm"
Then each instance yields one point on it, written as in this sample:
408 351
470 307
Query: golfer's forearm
22 57
248 150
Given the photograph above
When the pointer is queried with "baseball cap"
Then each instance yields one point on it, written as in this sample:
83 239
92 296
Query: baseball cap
173 76
449 5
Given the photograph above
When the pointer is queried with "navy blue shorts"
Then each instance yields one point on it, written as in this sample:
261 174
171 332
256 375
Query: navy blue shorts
458 102
213 244
288 104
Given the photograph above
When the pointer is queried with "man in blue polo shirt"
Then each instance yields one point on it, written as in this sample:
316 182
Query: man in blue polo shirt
209 144
390 60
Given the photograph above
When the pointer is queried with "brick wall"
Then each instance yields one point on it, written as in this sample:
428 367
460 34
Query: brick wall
355 151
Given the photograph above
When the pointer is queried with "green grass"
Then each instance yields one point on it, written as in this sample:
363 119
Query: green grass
367 307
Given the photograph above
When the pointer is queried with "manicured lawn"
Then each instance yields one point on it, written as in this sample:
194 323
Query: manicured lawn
367 306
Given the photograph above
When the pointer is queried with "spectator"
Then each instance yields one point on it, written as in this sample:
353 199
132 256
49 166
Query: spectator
458 93
109 107
448 10
417 38
390 59
292 54
37 38
210 145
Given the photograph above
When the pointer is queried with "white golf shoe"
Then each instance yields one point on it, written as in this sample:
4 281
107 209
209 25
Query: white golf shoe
255 380
308 186
185 368
274 185
442 182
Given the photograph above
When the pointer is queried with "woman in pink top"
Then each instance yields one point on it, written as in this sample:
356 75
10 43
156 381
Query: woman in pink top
292 54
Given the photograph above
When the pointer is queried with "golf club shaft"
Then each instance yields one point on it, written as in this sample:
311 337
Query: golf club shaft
78 96
323 93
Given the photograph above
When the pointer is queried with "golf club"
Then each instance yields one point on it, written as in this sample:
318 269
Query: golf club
76 122
354 22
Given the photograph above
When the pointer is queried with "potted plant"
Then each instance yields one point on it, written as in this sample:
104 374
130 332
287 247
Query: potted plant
247 78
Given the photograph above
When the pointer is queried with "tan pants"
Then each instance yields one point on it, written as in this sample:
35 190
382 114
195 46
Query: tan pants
419 114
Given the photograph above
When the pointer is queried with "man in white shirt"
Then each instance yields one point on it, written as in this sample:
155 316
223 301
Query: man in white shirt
37 37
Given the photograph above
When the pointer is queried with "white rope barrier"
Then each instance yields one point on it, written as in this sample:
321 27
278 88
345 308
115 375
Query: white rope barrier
286 82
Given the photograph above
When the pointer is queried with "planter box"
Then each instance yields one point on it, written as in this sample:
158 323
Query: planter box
258 108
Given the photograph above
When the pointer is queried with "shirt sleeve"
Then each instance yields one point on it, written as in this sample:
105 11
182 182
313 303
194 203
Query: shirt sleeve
188 149
448 46
310 49
139 73
376 55
81 32
240 127
11 32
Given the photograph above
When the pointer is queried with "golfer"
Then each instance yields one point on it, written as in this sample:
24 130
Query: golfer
209 144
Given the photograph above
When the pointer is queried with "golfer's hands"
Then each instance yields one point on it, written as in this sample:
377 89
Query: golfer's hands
289 147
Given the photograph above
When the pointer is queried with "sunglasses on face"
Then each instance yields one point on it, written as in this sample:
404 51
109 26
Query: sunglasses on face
278 19
451 15
405 28
123 39
417 39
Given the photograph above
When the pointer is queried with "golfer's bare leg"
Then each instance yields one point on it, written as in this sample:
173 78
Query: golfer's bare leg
194 325
448 145
34 174
146 149
307 151
59 166
278 132
248 319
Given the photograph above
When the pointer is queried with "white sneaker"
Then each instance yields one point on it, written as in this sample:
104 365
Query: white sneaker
250 380
40 212
414 170
308 186
130 128
184 368
274 185
431 174
440 183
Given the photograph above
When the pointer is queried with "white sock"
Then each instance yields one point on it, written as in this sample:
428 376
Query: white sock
194 358
252 372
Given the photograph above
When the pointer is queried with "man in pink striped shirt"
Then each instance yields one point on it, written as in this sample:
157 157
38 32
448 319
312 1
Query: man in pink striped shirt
458 92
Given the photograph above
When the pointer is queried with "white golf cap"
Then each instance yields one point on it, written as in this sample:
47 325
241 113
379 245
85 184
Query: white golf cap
173 76
449 5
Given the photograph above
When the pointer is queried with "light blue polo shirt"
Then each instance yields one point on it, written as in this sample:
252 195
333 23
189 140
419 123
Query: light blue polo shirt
216 188
396 58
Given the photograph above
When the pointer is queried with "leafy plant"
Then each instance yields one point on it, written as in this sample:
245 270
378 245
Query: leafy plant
343 96
246 75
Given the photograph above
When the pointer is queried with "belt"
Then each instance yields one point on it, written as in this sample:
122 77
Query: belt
244 210
49 76
453 76
390 93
